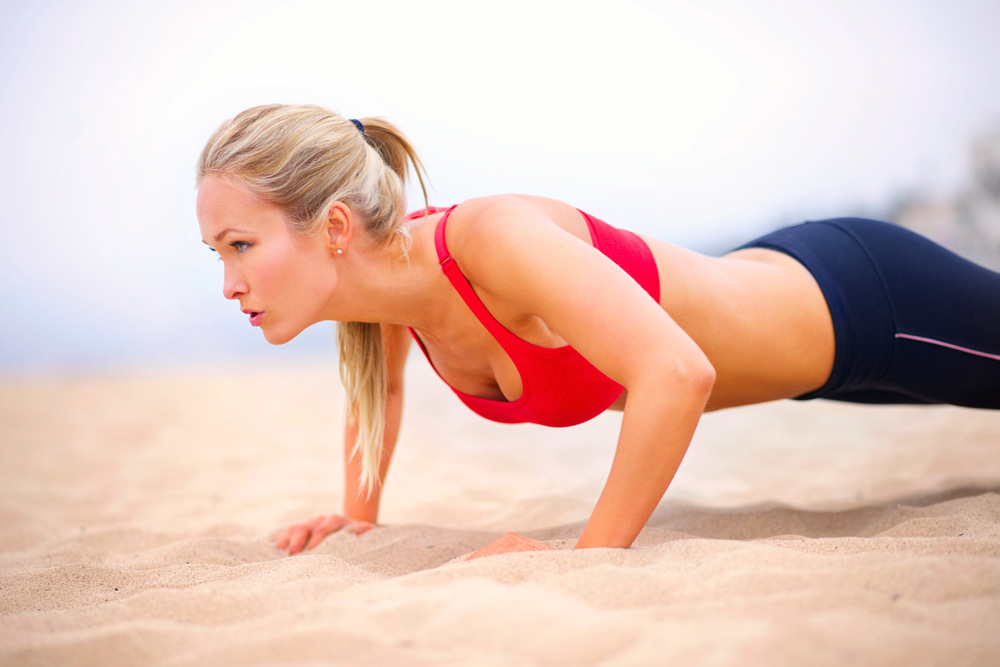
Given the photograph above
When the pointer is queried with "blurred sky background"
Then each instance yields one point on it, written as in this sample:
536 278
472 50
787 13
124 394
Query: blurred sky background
703 122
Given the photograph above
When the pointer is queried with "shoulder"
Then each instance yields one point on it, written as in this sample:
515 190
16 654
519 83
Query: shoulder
489 213
485 228
518 245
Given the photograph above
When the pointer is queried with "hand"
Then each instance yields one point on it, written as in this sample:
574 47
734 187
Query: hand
312 532
510 543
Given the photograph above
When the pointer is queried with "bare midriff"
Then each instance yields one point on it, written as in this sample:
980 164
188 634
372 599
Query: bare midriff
758 315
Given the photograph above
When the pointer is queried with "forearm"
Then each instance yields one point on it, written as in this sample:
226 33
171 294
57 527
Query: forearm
358 503
658 424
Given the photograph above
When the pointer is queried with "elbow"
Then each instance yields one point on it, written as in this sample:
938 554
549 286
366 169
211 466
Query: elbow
677 375
394 397
692 375
394 385
698 376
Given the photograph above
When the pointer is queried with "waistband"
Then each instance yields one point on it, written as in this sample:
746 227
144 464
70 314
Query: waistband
855 294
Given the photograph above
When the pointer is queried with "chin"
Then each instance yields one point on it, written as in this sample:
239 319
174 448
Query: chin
279 337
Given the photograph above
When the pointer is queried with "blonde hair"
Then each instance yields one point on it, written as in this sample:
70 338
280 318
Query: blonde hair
303 158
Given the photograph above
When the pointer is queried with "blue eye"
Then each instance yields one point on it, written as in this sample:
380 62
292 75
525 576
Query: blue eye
240 246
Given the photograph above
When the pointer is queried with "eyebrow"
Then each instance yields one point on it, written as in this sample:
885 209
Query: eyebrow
218 237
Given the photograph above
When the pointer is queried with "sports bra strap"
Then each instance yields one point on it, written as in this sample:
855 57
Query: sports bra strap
421 212
439 243
464 288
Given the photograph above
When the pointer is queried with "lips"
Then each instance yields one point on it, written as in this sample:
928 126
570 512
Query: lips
256 316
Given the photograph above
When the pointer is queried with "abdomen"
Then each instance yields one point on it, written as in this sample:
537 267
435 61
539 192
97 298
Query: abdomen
757 314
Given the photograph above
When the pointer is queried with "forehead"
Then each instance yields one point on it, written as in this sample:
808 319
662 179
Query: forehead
224 202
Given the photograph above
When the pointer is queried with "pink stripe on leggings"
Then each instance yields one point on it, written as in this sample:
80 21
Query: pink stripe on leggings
949 345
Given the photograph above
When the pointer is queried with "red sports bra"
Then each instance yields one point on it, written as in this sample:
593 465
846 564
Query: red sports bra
559 386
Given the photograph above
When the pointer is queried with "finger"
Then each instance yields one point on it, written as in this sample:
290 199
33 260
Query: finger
361 527
299 538
510 543
283 538
332 524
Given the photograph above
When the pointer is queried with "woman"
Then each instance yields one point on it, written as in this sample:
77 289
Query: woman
534 311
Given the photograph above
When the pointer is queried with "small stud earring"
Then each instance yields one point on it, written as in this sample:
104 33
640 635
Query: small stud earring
340 251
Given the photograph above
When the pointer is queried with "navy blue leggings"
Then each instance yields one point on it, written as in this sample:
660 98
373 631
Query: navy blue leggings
912 322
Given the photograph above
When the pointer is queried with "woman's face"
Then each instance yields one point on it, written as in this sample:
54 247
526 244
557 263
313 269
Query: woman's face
282 279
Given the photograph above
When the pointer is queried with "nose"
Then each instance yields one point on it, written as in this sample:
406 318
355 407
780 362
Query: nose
233 285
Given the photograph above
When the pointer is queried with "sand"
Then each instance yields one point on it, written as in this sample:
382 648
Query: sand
136 512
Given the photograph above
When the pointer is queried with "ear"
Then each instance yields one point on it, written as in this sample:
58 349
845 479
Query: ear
340 222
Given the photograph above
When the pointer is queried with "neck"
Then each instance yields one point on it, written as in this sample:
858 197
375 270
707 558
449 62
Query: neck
379 283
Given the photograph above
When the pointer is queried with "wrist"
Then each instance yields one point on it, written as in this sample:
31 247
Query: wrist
593 538
371 518
361 512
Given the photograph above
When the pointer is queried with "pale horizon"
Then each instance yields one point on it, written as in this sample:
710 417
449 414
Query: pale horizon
699 122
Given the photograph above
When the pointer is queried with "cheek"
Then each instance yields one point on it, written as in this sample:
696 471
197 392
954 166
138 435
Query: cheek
303 277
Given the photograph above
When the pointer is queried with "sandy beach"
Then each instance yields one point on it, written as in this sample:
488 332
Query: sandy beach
136 512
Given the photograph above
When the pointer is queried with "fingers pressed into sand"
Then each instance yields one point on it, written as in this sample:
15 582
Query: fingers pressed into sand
361 527
300 533
510 543
281 539
284 537
330 524
300 536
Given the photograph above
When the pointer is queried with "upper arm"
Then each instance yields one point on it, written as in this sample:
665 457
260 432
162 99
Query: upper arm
515 252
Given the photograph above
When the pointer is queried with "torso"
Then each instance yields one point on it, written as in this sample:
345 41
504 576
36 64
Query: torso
757 314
